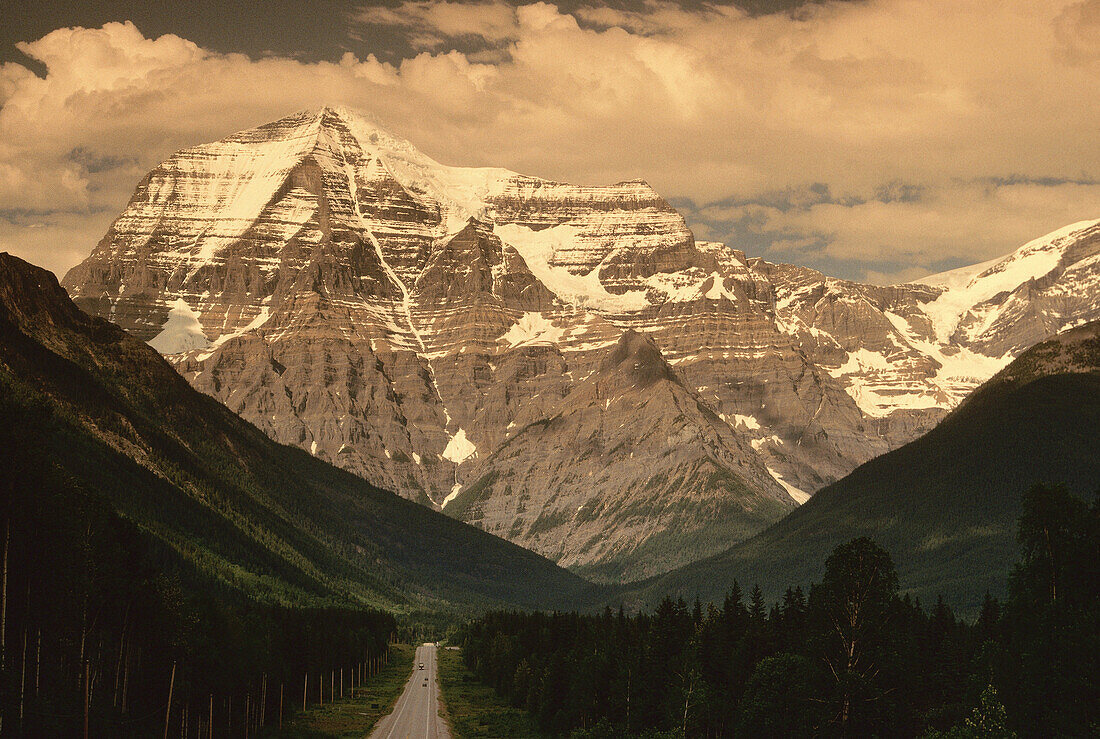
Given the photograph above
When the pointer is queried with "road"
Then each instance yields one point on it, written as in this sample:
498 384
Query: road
416 714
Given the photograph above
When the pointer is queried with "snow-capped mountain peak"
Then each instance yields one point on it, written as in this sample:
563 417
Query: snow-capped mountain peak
350 295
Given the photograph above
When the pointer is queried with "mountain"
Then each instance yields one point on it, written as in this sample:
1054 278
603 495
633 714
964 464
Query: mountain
625 494
405 320
111 420
946 505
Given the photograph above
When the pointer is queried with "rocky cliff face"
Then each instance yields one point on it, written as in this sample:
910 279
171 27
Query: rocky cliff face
448 332
627 475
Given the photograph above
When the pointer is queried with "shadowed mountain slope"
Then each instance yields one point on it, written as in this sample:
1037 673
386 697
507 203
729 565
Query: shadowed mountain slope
111 419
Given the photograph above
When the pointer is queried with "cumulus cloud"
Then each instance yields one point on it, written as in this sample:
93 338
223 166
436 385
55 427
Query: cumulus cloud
875 138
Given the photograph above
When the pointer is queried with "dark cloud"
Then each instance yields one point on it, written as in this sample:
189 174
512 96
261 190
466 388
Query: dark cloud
307 31
94 163
290 28
1020 179
899 192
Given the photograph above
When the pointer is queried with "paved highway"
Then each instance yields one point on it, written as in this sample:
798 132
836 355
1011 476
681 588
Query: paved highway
416 714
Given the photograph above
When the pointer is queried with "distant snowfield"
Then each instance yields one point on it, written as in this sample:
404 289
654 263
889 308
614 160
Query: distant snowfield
967 287
967 308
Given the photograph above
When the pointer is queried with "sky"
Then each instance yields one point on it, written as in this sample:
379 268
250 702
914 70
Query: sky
877 140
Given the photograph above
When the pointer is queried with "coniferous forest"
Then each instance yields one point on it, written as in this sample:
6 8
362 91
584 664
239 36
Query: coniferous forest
851 657
108 632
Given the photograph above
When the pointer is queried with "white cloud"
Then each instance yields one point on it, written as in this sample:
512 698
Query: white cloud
711 105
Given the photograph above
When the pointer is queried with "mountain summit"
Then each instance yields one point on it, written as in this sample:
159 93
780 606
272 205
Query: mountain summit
406 320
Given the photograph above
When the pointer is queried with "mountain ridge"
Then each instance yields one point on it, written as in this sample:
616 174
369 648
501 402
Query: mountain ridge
674 490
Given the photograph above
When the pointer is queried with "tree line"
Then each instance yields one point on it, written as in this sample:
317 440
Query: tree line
850 657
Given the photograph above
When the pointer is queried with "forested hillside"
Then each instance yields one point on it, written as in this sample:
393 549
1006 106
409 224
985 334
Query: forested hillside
848 657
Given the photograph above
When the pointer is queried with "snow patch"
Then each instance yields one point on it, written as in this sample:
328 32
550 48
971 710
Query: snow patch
182 332
677 287
718 289
861 360
451 495
967 287
798 496
739 421
537 249
260 319
748 422
960 369
532 329
757 444
459 448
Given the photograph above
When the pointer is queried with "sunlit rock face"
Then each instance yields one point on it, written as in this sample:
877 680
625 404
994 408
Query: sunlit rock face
444 332
627 475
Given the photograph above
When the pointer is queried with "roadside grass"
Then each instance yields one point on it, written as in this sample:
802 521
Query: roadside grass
475 710
355 717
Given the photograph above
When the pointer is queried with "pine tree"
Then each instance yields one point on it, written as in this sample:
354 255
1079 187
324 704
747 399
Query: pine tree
989 616
756 605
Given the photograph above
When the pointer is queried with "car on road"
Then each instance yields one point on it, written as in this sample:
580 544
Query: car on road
421 666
